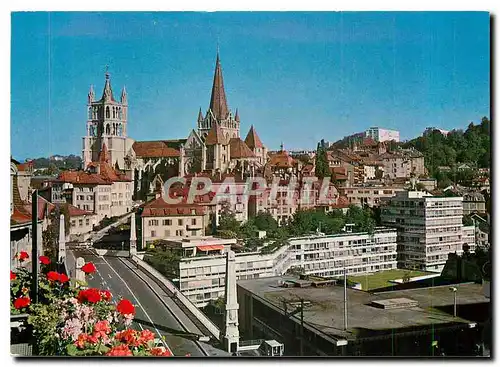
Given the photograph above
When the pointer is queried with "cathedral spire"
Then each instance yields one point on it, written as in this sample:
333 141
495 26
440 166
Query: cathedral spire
107 93
237 116
91 95
123 98
218 102
200 116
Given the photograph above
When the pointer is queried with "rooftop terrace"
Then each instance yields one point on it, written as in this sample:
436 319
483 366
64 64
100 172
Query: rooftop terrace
325 305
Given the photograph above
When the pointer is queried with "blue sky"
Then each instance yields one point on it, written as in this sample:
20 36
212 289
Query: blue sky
298 77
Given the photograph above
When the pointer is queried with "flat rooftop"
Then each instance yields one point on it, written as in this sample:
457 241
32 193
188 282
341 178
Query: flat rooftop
326 309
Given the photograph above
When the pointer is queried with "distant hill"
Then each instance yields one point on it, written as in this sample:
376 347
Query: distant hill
471 146
56 163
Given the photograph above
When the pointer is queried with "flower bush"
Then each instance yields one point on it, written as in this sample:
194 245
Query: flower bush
76 320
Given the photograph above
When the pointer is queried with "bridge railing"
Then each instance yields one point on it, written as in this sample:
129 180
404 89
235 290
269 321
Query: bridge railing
195 311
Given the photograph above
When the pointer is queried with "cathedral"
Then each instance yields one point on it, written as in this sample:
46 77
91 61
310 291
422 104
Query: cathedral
213 148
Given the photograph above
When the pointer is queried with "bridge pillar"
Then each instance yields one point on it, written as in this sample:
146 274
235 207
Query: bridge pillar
133 237
79 274
231 334
61 256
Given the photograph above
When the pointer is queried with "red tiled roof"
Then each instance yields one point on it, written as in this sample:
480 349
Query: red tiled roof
159 208
155 149
20 217
215 135
28 166
73 211
238 149
252 140
281 160
82 178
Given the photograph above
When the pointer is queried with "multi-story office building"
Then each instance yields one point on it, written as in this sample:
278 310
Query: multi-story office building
202 264
429 228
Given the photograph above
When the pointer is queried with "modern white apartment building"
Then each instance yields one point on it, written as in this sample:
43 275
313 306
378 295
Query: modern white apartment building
202 265
429 228
379 135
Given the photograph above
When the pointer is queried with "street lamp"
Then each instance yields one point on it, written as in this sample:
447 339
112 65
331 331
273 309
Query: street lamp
454 290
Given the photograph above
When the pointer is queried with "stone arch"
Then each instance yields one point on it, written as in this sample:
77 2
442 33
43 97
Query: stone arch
107 129
107 112
90 113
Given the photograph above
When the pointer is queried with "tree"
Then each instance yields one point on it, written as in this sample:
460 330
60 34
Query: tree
227 220
322 169
458 146
379 174
264 221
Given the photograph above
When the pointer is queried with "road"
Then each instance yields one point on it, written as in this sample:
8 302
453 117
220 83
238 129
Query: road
156 310
96 236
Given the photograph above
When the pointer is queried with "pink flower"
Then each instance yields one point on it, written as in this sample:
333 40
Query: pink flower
72 329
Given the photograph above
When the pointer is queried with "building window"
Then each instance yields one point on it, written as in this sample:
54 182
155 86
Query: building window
153 233
87 221
193 221
180 222
80 222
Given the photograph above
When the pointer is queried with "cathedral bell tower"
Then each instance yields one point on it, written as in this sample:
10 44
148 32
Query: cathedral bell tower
106 124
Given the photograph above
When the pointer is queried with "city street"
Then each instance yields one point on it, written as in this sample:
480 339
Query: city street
150 301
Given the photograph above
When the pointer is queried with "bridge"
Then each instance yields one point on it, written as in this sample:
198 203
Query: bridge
159 306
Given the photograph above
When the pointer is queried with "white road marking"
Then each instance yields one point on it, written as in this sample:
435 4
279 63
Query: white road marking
138 303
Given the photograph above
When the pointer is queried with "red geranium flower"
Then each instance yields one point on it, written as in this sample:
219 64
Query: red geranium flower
160 352
13 275
63 278
121 350
23 255
53 276
106 295
125 307
80 342
146 335
44 260
22 302
128 336
92 295
88 268
102 329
